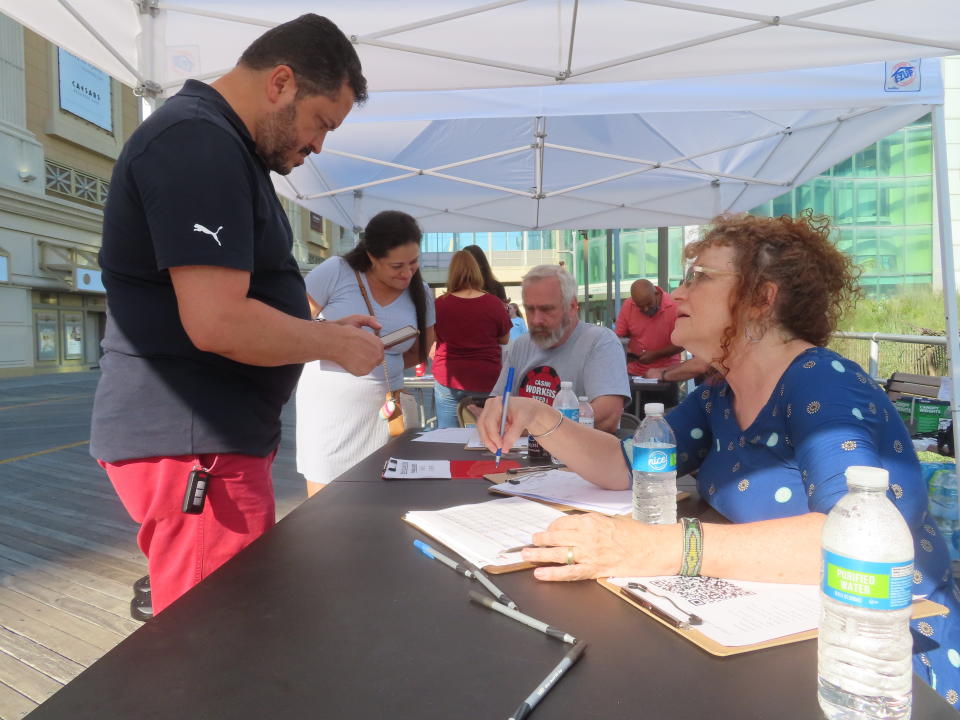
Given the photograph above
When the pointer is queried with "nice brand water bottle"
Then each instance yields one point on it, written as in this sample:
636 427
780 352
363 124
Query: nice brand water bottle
654 469
864 647
586 411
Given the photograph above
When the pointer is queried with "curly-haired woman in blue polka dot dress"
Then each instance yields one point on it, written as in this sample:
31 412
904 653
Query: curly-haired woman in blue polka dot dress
771 433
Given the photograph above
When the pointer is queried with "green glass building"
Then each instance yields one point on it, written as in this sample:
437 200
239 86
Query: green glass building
881 203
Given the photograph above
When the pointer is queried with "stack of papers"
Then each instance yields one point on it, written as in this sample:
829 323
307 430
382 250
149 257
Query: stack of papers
734 612
483 532
567 488
456 436
462 436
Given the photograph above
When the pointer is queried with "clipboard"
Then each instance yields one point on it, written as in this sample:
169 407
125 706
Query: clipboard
488 569
921 609
499 478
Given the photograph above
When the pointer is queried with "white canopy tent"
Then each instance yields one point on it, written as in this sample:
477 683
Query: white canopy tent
534 153
644 154
455 44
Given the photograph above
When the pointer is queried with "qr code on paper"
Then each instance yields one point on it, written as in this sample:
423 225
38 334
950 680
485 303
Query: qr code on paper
701 590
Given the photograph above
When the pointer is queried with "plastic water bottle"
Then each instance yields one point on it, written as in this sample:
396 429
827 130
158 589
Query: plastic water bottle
943 507
568 405
654 469
864 648
586 411
566 401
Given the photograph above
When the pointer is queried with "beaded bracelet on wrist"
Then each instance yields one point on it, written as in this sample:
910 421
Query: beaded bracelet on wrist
692 547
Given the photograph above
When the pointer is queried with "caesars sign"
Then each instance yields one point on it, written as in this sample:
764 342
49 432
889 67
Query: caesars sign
85 91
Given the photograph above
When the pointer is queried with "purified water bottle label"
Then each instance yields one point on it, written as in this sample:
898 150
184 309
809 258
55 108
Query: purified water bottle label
654 459
571 413
873 585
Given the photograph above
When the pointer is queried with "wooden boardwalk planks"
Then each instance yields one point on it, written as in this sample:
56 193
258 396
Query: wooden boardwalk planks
68 551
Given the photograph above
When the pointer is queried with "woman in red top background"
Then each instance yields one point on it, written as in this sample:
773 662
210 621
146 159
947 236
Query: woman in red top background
471 326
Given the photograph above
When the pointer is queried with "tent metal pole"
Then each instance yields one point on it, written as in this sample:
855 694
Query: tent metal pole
477 183
667 168
187 10
361 186
938 128
617 273
663 257
540 132
669 49
796 20
656 165
608 305
772 152
573 34
476 10
584 219
323 181
586 276
102 40
203 78
472 59
357 214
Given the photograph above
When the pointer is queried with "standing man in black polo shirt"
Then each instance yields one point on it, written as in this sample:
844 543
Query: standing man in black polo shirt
208 322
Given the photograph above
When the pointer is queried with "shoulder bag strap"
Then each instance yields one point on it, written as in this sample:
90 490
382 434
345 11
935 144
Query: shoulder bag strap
366 299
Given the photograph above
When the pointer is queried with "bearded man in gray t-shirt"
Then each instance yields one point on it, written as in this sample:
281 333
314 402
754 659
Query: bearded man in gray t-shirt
560 347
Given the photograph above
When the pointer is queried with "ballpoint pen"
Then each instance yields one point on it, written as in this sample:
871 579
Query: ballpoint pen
482 578
433 554
507 389
520 617
679 618
527 706
466 568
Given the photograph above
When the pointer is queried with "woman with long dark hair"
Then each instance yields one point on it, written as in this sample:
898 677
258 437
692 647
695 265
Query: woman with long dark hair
338 415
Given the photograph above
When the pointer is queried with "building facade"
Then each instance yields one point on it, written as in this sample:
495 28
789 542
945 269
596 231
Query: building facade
62 125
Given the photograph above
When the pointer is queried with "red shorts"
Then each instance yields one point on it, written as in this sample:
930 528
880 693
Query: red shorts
183 549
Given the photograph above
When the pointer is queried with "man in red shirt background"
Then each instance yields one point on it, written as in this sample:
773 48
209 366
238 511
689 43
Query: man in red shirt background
647 321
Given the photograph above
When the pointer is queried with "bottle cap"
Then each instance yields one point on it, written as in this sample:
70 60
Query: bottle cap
653 409
872 478
566 384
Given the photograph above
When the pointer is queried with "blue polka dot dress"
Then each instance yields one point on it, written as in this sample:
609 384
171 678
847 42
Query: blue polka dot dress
825 414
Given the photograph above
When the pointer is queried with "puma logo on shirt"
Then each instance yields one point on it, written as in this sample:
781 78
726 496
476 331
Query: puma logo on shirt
200 228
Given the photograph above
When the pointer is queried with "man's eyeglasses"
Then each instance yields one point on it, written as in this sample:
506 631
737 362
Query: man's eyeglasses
696 273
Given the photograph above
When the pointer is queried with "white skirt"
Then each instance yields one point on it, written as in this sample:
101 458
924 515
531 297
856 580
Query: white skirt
338 420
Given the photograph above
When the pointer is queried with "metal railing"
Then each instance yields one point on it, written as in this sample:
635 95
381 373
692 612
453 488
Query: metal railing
924 354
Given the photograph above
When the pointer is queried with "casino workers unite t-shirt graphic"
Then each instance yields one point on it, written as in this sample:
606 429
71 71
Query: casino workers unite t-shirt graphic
541 383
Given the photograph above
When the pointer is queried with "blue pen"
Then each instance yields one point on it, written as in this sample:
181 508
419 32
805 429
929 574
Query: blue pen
507 389
434 555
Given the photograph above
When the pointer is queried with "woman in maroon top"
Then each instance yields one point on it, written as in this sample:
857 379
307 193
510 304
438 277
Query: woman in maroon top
471 326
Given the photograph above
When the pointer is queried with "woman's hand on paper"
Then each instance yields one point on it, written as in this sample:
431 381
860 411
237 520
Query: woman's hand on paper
601 546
